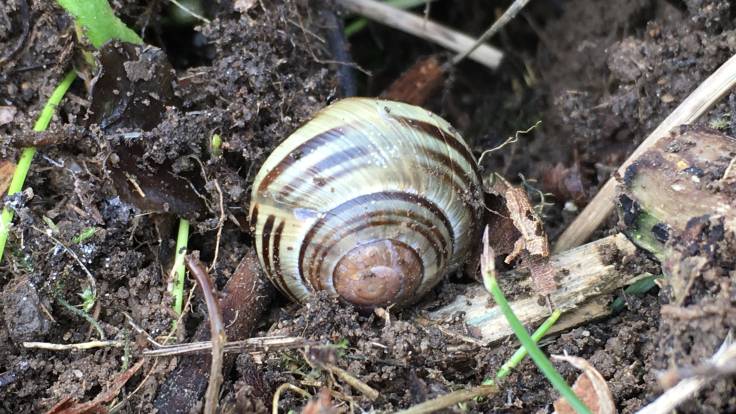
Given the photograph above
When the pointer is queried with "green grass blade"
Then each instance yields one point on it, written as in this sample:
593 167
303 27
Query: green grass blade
542 362
99 21
43 121
639 287
85 234
356 26
26 155
488 273
521 352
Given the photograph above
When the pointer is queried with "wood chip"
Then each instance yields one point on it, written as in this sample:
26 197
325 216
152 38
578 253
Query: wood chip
583 273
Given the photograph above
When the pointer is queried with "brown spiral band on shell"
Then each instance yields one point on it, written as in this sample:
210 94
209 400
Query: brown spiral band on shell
309 272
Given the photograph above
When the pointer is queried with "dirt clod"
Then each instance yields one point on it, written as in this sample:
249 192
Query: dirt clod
25 318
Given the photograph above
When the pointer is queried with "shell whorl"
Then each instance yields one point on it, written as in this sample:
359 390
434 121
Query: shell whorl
366 180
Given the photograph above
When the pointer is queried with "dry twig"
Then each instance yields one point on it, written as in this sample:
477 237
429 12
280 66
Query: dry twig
243 299
220 225
283 387
190 12
426 29
217 332
448 400
247 345
506 17
359 385
78 346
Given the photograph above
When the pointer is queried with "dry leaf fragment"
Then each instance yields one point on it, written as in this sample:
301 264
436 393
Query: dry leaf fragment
533 239
7 168
590 387
322 405
531 242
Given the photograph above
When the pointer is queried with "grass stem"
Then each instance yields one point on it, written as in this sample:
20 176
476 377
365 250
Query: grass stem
543 363
26 155
179 269
520 353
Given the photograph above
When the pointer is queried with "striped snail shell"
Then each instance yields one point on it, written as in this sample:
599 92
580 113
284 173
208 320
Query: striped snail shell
372 200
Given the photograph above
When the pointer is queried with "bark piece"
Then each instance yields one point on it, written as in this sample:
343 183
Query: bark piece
687 175
418 83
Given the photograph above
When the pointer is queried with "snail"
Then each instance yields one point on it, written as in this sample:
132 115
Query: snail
374 201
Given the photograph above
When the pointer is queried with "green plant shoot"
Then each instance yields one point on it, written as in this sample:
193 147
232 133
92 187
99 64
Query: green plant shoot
521 352
216 145
100 25
640 287
84 235
179 270
88 299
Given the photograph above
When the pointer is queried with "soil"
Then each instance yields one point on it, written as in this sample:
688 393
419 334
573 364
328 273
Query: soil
600 78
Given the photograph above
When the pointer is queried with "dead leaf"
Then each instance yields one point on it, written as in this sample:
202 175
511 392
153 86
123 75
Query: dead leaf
533 239
7 168
519 231
322 405
590 387
7 114
67 406
135 87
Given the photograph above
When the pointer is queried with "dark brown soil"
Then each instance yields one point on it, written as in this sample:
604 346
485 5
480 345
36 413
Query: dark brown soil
600 77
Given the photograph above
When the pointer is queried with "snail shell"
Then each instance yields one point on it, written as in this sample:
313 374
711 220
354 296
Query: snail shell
372 200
